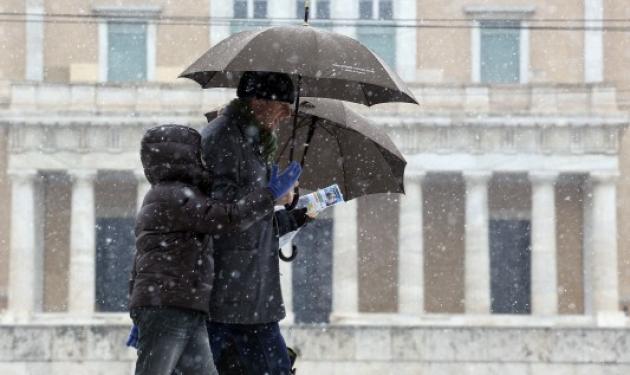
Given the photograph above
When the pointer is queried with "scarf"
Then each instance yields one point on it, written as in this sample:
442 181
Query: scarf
266 138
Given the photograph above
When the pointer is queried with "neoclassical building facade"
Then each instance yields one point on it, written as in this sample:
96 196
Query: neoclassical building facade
508 249
514 197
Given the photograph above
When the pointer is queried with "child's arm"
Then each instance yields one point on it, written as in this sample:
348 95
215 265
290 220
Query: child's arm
205 215
288 221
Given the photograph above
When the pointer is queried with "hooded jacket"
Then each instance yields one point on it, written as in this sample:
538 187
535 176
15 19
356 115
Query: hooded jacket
173 264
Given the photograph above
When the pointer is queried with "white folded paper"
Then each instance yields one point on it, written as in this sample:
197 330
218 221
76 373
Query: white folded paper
321 199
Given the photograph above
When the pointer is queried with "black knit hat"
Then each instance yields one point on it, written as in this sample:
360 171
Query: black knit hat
266 85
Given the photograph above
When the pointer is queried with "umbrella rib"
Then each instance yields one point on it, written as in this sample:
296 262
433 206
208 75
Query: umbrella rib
381 150
343 166
281 151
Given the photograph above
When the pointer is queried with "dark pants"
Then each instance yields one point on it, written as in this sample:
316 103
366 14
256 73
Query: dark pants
172 339
260 347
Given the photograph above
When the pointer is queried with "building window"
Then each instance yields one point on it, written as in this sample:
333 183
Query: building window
380 37
499 51
323 10
248 9
115 195
499 43
381 40
240 8
260 8
319 9
376 9
126 52
385 10
366 9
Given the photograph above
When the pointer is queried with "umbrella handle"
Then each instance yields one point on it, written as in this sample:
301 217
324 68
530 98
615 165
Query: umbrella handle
290 258
296 198
309 137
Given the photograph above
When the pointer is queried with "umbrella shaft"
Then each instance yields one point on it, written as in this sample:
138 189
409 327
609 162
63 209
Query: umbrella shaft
307 8
295 118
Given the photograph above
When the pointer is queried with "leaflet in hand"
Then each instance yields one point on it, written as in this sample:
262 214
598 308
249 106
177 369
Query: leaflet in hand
319 200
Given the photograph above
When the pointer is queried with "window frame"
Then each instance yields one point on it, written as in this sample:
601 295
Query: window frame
392 33
375 13
519 14
313 13
377 20
521 78
106 51
237 25
142 14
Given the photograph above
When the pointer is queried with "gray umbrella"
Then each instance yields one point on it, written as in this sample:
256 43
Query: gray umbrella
338 145
322 63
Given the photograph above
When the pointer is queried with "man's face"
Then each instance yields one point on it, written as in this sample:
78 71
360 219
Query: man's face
270 112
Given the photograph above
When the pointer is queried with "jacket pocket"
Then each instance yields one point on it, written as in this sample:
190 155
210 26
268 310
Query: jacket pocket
236 276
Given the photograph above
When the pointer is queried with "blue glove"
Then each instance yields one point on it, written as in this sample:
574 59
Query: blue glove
132 340
281 184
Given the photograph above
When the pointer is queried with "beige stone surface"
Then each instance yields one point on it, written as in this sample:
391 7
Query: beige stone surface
377 221
348 350
83 72
68 43
556 67
444 243
71 50
569 238
169 74
12 40
617 51
555 56
57 193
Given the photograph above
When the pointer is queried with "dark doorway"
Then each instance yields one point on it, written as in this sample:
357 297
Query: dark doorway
510 266
114 254
312 272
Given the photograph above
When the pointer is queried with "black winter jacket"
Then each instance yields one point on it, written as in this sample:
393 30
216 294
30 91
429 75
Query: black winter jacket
173 265
247 281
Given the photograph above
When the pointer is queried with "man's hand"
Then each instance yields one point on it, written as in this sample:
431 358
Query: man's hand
287 198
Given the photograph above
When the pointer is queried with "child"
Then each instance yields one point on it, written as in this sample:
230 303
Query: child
171 281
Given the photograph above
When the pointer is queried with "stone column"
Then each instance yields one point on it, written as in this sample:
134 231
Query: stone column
411 248
604 273
544 274
25 272
587 251
142 188
477 264
345 281
81 296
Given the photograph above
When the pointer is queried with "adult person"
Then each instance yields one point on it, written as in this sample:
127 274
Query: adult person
239 147
171 281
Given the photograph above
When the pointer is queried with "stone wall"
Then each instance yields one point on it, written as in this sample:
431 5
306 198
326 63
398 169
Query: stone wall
332 350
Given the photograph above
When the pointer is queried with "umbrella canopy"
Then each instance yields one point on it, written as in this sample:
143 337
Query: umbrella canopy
344 148
324 64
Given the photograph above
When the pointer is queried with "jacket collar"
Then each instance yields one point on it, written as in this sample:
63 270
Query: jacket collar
239 114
